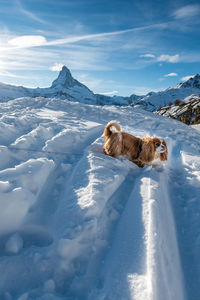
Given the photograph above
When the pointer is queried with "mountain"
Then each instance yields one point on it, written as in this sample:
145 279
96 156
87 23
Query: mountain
153 100
65 80
66 87
186 111
193 82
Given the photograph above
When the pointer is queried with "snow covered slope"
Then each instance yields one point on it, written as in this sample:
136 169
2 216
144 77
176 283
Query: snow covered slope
8 92
76 224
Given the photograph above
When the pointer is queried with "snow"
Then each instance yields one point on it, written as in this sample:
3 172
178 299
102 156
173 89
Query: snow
197 127
77 224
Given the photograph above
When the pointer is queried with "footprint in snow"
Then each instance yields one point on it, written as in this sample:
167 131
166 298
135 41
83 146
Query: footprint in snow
13 243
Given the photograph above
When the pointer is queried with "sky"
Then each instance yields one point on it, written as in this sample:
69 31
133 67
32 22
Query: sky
115 47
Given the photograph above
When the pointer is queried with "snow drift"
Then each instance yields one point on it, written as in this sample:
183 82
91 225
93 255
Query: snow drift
76 224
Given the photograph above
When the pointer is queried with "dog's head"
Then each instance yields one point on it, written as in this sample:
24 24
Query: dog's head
160 146
151 146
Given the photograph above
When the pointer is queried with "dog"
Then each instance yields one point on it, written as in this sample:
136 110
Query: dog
141 151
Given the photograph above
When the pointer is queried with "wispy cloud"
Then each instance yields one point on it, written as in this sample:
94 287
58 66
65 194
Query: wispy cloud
169 58
187 11
148 55
33 41
112 93
171 75
76 57
185 78
28 13
94 56
9 74
74 39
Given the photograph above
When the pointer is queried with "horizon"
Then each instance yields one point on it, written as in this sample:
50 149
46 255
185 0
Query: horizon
106 94
121 48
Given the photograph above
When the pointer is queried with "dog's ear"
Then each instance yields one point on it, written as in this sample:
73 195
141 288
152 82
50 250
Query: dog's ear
148 152
164 155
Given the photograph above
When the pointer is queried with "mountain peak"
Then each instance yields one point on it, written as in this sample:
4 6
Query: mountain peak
193 82
64 79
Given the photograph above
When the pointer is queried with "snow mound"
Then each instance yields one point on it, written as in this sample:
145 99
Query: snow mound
77 224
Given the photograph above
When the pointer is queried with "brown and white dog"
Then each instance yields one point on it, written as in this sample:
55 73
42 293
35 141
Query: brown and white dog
141 151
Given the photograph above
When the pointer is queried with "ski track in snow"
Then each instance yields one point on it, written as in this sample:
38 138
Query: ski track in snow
76 224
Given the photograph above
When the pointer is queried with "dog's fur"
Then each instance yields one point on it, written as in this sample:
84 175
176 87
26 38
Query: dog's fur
141 151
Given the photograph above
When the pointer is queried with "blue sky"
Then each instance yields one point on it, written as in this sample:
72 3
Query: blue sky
114 47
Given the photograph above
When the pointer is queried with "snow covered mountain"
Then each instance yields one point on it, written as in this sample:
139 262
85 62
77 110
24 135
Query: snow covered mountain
66 87
77 224
153 101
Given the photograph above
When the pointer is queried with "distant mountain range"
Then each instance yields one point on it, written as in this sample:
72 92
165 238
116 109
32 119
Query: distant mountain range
66 87
179 91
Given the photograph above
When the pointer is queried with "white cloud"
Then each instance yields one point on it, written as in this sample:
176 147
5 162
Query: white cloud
185 78
56 67
169 58
113 93
26 41
187 11
148 55
171 75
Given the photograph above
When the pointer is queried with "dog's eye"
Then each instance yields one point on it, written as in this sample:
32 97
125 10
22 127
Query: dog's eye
157 144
